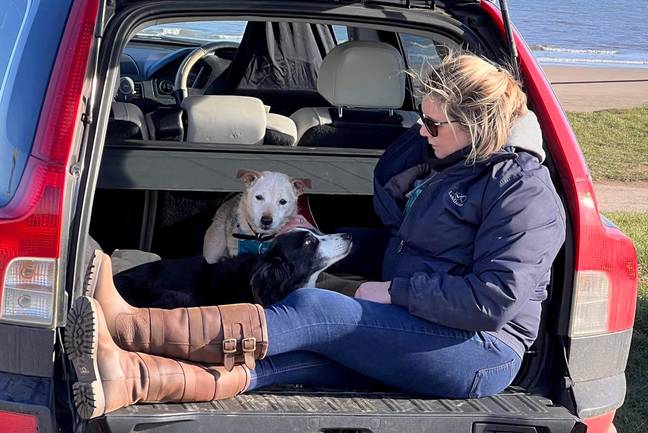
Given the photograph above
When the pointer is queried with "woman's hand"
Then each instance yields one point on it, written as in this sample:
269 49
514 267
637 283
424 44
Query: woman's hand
374 291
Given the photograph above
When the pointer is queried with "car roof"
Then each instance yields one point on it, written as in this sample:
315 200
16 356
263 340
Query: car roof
425 4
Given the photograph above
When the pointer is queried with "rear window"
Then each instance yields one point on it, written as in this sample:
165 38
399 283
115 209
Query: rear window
29 37
422 54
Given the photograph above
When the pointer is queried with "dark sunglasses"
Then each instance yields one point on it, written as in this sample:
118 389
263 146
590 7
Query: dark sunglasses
432 125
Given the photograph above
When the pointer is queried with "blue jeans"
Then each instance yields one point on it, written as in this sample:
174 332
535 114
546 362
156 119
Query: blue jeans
319 337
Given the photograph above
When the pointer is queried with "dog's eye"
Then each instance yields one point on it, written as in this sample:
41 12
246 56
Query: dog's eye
259 197
308 242
282 202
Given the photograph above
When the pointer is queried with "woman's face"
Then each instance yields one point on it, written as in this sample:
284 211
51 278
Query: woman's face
451 136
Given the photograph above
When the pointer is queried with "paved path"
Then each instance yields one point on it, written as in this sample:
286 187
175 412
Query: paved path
622 197
590 89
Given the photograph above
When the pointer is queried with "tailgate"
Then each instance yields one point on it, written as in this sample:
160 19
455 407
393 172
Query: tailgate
307 410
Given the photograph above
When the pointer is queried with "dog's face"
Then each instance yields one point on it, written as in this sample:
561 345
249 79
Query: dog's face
269 199
294 260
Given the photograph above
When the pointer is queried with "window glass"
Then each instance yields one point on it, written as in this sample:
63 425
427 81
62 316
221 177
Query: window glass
422 54
341 34
196 31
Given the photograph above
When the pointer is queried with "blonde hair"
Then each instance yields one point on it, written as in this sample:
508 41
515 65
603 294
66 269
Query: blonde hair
484 98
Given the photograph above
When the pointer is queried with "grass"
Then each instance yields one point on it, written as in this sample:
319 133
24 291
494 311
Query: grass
632 417
615 143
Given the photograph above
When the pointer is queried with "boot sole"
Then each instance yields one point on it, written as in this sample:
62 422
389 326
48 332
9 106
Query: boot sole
81 342
92 274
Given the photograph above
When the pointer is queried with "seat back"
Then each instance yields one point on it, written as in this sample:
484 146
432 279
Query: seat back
365 82
228 119
127 121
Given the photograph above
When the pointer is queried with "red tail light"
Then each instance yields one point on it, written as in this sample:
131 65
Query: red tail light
30 225
12 422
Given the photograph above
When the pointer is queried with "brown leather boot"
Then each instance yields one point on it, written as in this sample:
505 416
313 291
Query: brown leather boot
224 335
110 378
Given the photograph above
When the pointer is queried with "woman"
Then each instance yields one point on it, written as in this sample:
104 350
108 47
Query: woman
473 226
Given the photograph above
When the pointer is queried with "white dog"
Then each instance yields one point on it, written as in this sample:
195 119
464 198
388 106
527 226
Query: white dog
247 221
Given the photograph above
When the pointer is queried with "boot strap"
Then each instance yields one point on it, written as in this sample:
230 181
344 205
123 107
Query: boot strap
231 346
229 353
237 326
249 348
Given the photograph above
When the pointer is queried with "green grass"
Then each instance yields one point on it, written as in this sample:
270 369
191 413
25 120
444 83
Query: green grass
633 415
615 143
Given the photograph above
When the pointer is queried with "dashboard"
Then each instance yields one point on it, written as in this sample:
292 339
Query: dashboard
152 67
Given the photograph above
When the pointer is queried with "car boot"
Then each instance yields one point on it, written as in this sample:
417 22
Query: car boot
110 378
223 335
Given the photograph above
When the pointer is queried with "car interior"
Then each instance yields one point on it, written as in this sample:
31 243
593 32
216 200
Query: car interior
289 87
316 100
313 91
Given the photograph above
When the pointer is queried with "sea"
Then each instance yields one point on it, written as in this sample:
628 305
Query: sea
589 33
600 33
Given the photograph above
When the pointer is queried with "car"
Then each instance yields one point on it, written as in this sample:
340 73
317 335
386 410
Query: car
102 138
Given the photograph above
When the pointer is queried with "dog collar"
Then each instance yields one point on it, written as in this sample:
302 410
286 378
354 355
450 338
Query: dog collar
255 237
252 246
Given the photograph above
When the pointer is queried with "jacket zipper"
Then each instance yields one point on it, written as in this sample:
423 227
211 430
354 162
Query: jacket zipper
401 245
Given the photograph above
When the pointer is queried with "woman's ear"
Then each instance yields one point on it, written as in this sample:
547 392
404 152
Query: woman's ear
248 177
270 280
300 184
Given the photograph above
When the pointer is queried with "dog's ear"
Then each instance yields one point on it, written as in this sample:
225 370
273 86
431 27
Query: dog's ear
248 177
300 184
269 280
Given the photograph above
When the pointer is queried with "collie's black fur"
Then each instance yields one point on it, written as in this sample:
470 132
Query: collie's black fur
293 260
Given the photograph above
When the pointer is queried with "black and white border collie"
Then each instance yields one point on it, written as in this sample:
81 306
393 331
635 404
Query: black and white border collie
293 260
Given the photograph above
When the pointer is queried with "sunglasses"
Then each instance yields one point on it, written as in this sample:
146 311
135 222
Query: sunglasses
432 126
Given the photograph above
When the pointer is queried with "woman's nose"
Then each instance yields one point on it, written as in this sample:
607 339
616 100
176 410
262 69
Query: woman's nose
423 131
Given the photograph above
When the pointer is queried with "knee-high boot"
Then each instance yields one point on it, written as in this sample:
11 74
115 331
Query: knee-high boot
110 378
225 335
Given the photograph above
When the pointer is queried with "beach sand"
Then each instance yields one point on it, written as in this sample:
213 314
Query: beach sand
593 88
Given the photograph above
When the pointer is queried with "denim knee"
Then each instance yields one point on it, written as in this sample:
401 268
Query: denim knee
308 299
319 306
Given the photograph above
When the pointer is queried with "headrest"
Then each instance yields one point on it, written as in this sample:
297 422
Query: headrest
225 119
363 74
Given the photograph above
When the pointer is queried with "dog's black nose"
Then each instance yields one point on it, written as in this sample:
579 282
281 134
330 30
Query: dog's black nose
266 220
346 236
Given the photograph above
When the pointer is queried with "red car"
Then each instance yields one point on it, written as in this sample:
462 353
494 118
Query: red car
94 144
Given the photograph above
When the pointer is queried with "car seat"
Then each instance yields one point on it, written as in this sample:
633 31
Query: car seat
228 119
365 82
127 121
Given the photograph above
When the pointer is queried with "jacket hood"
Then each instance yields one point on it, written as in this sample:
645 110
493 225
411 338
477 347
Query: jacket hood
525 135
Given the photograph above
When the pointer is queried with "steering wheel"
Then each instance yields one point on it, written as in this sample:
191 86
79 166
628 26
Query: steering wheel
180 86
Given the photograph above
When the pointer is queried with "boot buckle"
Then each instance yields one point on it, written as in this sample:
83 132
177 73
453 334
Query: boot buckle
229 345
249 344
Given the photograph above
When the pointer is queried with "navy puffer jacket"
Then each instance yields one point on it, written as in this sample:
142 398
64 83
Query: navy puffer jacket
475 249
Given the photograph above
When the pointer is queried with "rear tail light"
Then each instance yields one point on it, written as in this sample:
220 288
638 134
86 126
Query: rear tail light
13 422
591 303
30 225
29 290
606 279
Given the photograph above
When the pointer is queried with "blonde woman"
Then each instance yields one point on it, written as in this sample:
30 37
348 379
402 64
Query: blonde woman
473 225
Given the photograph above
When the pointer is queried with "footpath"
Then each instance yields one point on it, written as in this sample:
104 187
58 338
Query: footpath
622 197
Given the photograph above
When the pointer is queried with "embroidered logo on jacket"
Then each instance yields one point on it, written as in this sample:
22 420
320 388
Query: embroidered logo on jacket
457 198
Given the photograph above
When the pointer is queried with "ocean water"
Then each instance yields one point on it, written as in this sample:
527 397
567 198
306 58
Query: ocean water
580 32
564 32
